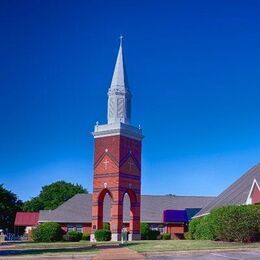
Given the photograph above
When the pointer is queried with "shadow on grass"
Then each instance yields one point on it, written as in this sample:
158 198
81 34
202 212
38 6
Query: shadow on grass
131 244
46 251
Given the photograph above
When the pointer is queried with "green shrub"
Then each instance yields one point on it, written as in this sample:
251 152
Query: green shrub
237 223
72 236
106 226
103 235
229 223
166 236
147 233
206 229
193 226
47 232
85 237
145 229
153 235
187 235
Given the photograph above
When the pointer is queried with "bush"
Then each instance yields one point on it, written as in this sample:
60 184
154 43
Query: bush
229 223
166 236
237 223
206 229
47 232
106 226
72 236
144 231
85 237
148 234
187 235
193 226
103 235
153 235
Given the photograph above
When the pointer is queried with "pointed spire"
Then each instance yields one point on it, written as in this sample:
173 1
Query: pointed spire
119 79
119 96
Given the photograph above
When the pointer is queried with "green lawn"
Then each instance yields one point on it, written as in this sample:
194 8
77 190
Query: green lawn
85 247
51 251
57 248
185 245
32 245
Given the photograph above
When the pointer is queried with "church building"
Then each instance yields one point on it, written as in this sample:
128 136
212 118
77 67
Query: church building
117 198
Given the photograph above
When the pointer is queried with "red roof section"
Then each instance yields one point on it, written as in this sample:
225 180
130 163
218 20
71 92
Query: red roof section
26 219
255 195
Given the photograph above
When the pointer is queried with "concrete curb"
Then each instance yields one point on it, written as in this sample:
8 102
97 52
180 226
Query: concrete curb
189 252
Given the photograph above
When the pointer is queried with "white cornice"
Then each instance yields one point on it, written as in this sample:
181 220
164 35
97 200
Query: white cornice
117 129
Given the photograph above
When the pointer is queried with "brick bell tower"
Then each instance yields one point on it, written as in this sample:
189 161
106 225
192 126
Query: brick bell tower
117 159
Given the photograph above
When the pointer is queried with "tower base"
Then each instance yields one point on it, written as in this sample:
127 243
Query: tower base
132 237
115 237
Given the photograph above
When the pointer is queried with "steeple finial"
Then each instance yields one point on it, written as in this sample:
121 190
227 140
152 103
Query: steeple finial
121 39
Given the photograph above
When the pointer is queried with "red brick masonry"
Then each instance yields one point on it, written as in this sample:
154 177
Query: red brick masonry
117 171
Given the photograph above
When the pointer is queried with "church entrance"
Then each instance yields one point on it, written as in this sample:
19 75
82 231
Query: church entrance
118 213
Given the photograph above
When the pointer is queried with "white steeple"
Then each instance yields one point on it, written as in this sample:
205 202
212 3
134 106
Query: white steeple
119 96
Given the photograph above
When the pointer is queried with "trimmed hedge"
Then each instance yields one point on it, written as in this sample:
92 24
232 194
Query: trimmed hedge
72 236
85 237
206 230
166 236
47 232
147 233
193 226
103 235
229 223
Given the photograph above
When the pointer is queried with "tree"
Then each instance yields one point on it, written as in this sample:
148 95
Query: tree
35 204
9 205
53 195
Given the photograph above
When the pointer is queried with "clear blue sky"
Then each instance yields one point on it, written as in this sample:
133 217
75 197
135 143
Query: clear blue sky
193 69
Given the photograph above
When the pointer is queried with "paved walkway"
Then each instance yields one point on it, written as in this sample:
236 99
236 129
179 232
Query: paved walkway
117 253
4 247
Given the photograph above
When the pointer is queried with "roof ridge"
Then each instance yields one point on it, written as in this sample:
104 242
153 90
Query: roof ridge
230 194
154 195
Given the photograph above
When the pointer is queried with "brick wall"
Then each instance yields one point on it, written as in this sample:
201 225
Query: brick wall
117 170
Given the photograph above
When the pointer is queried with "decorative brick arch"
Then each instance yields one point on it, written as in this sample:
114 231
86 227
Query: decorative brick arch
102 195
134 225
99 207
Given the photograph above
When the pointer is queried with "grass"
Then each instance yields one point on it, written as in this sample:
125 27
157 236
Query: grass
86 247
57 248
49 252
32 245
185 245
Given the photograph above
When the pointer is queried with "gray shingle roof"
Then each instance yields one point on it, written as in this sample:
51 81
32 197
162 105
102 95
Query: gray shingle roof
78 208
235 194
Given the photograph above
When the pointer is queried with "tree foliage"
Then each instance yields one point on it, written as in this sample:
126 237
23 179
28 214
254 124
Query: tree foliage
53 195
9 205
